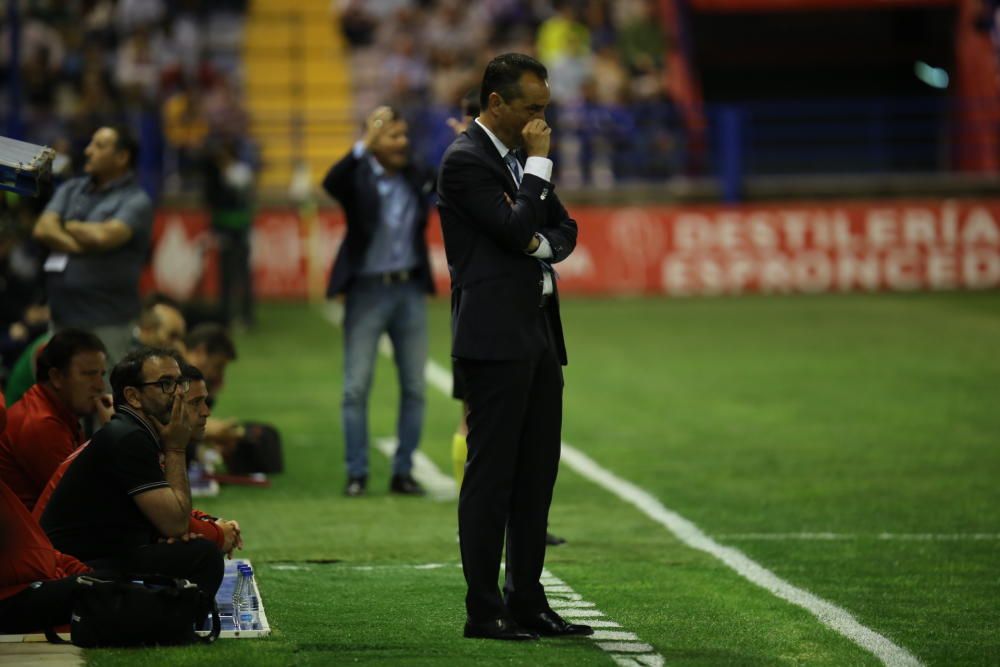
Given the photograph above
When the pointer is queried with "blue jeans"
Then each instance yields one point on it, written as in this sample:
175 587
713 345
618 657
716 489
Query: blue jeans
372 309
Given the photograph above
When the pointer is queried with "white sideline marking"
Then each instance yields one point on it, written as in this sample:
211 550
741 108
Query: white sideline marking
570 604
624 647
903 537
439 486
838 619
611 634
832 616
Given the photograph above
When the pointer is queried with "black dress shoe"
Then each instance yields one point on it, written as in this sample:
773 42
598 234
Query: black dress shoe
406 485
355 486
501 628
550 624
553 540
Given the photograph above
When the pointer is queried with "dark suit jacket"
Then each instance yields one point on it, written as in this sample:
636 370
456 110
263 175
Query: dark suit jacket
495 286
352 182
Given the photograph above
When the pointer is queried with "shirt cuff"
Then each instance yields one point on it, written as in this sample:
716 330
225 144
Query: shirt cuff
540 167
544 249
359 148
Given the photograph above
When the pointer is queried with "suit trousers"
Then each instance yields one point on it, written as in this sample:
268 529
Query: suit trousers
515 420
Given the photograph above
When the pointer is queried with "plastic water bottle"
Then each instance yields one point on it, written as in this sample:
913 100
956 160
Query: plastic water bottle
253 602
237 594
246 610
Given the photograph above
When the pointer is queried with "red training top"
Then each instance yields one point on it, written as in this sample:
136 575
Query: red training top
41 432
27 555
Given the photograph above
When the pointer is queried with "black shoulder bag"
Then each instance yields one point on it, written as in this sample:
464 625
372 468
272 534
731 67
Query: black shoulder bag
147 610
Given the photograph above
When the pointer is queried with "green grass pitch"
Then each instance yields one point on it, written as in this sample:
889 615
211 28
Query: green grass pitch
760 419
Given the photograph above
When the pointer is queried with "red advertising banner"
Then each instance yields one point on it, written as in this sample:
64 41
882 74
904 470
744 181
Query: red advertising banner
675 251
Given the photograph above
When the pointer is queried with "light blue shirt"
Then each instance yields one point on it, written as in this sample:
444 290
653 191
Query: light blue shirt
392 247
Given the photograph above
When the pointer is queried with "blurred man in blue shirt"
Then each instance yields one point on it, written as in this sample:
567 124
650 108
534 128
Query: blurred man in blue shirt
384 272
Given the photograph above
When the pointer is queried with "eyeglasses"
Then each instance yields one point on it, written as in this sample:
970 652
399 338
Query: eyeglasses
169 385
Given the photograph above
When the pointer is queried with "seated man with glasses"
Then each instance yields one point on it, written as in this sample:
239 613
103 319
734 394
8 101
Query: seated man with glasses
129 489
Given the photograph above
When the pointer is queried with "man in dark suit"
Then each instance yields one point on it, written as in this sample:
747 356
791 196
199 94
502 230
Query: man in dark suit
384 271
503 229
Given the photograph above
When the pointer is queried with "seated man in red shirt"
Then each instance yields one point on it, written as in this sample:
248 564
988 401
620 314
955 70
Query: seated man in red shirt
36 581
44 426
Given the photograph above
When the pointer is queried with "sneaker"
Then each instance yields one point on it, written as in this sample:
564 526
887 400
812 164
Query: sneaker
406 485
355 486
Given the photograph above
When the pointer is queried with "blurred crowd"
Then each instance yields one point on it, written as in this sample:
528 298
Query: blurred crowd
612 112
171 69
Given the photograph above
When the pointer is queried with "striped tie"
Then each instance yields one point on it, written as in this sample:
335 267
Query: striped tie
514 166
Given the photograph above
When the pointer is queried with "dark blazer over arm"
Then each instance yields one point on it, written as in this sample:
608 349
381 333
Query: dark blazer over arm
353 183
496 286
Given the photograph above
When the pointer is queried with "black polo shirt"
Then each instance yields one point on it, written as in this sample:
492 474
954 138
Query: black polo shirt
92 513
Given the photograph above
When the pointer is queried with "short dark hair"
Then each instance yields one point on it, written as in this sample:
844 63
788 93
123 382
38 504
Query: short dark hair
60 350
147 318
128 371
470 103
125 141
191 372
214 337
503 76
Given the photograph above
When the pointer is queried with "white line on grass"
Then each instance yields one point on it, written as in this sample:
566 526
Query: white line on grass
687 532
828 613
902 537
834 617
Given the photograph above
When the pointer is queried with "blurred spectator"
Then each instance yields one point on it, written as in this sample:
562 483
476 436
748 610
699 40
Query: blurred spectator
609 77
406 73
23 312
185 129
44 425
141 58
225 114
210 349
641 40
229 183
562 34
98 228
356 22
161 324
131 15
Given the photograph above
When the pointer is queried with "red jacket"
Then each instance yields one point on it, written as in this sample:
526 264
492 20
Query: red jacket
200 522
26 554
41 432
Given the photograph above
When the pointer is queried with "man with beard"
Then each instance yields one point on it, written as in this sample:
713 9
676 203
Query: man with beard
116 502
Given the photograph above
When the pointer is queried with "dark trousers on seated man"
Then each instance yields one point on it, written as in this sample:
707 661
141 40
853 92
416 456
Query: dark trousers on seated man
198 560
48 604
